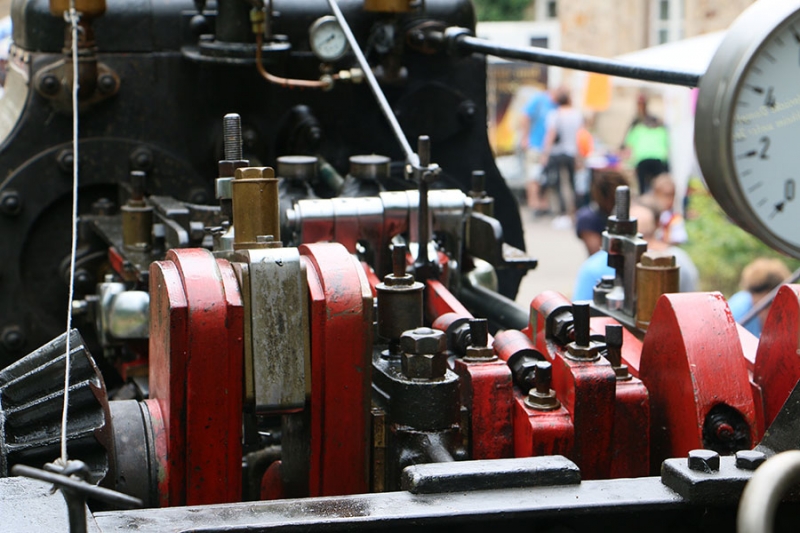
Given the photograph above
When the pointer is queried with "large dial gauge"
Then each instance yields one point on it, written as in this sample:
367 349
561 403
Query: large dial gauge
747 125
328 41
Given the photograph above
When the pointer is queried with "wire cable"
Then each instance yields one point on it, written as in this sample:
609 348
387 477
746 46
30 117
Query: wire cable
72 16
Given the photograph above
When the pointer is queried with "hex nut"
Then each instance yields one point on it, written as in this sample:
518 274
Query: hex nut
703 461
661 259
749 459
424 366
424 354
423 341
479 353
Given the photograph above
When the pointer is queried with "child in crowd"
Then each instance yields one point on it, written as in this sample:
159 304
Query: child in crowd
671 226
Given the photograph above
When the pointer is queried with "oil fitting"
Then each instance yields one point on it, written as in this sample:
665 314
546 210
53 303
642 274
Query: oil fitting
399 302
256 212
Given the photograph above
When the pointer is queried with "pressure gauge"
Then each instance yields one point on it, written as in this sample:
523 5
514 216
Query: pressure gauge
747 125
327 39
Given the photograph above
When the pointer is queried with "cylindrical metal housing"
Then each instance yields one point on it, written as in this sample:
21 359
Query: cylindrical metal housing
657 273
370 167
256 209
137 226
399 308
298 167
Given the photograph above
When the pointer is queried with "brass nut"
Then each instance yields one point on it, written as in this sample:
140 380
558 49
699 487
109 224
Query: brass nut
254 173
423 341
656 259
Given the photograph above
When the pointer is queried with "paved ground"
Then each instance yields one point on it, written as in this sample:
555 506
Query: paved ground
560 254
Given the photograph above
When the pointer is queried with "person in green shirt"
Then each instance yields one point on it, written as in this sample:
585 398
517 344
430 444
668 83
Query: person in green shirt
647 144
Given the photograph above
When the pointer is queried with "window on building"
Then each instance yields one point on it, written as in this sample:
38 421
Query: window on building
666 21
546 9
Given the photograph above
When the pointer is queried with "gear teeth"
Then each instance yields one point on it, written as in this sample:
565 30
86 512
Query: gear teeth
31 401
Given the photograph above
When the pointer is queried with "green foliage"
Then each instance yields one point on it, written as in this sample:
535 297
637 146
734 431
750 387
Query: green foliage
718 247
490 10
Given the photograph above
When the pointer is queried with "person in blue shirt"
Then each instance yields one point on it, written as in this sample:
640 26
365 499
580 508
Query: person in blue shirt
592 270
757 280
533 137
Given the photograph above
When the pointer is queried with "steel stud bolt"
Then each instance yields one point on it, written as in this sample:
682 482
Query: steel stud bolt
623 203
232 136
614 351
477 350
583 348
541 396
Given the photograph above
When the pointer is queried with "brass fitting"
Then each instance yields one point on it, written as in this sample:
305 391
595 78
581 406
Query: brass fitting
656 273
256 211
389 6
137 216
137 225
87 8
258 20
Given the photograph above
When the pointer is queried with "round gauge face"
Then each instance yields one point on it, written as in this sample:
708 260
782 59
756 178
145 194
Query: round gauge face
747 129
327 39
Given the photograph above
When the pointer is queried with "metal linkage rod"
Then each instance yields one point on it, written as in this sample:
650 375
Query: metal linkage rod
459 40
411 157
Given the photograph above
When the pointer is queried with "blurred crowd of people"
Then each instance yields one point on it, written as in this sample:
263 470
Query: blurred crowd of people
566 181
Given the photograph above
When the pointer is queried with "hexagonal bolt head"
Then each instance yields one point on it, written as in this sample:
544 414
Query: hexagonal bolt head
424 354
749 459
703 461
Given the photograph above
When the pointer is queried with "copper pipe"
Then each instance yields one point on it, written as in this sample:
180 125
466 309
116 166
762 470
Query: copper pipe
287 82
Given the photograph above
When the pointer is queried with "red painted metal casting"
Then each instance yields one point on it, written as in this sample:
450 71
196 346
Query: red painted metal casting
341 363
777 364
692 362
486 387
196 352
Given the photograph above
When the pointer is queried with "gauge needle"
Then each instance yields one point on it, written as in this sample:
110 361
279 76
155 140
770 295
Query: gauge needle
329 39
778 209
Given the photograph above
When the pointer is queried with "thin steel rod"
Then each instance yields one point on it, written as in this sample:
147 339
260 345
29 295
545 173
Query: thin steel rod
764 302
468 44
411 157
91 491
